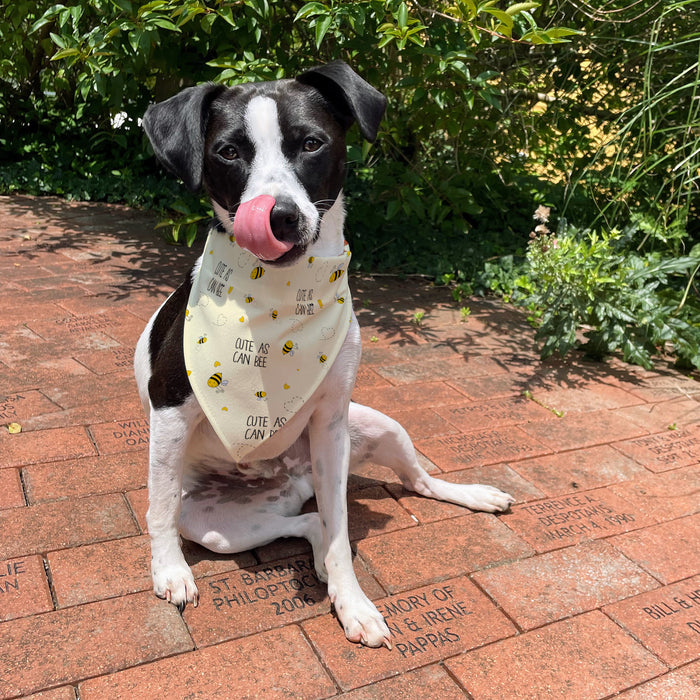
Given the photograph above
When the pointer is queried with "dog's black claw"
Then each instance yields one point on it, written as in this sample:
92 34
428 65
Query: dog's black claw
181 607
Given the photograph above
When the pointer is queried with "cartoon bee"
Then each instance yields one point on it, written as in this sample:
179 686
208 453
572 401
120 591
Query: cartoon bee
216 381
261 395
336 275
340 300
257 273
322 358
288 348
273 314
187 315
248 299
202 339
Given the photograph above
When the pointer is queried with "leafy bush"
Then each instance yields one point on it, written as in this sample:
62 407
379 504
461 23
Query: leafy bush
583 282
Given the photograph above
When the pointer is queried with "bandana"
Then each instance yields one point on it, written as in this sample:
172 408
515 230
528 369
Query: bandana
259 339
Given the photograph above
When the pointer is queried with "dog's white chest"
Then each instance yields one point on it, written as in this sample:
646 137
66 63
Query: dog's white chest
259 339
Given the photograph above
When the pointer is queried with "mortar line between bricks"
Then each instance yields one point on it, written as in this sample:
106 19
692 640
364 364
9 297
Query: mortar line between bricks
454 679
634 637
49 579
23 486
518 628
321 662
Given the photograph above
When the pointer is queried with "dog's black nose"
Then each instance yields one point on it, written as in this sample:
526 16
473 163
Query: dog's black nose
284 220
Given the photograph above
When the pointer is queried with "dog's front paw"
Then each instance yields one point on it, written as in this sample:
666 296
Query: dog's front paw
487 498
175 583
361 620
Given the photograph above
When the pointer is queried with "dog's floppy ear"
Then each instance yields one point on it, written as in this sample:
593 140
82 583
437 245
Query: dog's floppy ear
176 129
352 98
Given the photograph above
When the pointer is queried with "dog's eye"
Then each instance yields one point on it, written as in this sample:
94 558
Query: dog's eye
228 152
311 144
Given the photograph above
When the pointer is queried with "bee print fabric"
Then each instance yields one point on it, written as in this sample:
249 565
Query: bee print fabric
260 338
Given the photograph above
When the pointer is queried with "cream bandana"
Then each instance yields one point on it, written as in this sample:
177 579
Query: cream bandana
259 339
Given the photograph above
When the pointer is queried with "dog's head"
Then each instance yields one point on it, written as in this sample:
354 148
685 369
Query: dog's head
278 146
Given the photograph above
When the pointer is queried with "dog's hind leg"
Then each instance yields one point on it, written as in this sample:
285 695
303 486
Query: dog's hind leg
380 439
228 518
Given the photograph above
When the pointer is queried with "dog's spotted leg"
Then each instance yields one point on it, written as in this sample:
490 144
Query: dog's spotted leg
330 453
170 430
380 439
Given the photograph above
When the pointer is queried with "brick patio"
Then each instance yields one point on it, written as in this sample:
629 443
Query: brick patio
588 588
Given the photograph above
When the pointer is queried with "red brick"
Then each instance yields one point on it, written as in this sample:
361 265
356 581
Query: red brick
425 371
277 664
64 693
578 430
569 472
666 620
31 447
11 494
107 361
85 477
240 602
582 658
435 551
491 386
410 685
664 496
679 413
427 624
422 423
661 386
68 523
367 379
668 551
24 589
105 570
453 452
121 436
138 502
93 391
595 397
373 511
64 646
494 412
560 522
663 451
563 583
417 396
45 374
679 684
20 406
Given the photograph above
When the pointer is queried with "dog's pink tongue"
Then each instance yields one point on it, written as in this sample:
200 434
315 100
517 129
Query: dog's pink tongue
252 231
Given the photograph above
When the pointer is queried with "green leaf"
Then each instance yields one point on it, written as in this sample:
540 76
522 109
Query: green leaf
322 26
521 7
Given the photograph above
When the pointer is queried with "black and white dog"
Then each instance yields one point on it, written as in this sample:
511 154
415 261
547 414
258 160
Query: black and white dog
284 139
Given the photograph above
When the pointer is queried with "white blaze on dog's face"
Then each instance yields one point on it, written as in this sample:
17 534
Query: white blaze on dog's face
282 142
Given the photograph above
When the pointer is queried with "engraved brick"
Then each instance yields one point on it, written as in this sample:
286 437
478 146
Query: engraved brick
487 414
121 436
24 589
453 452
568 519
237 603
666 620
663 451
11 494
679 684
427 624
410 685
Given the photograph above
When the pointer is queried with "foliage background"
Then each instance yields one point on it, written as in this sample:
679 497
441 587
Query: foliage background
495 109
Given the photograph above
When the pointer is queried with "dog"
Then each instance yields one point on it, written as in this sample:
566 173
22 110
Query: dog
281 146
